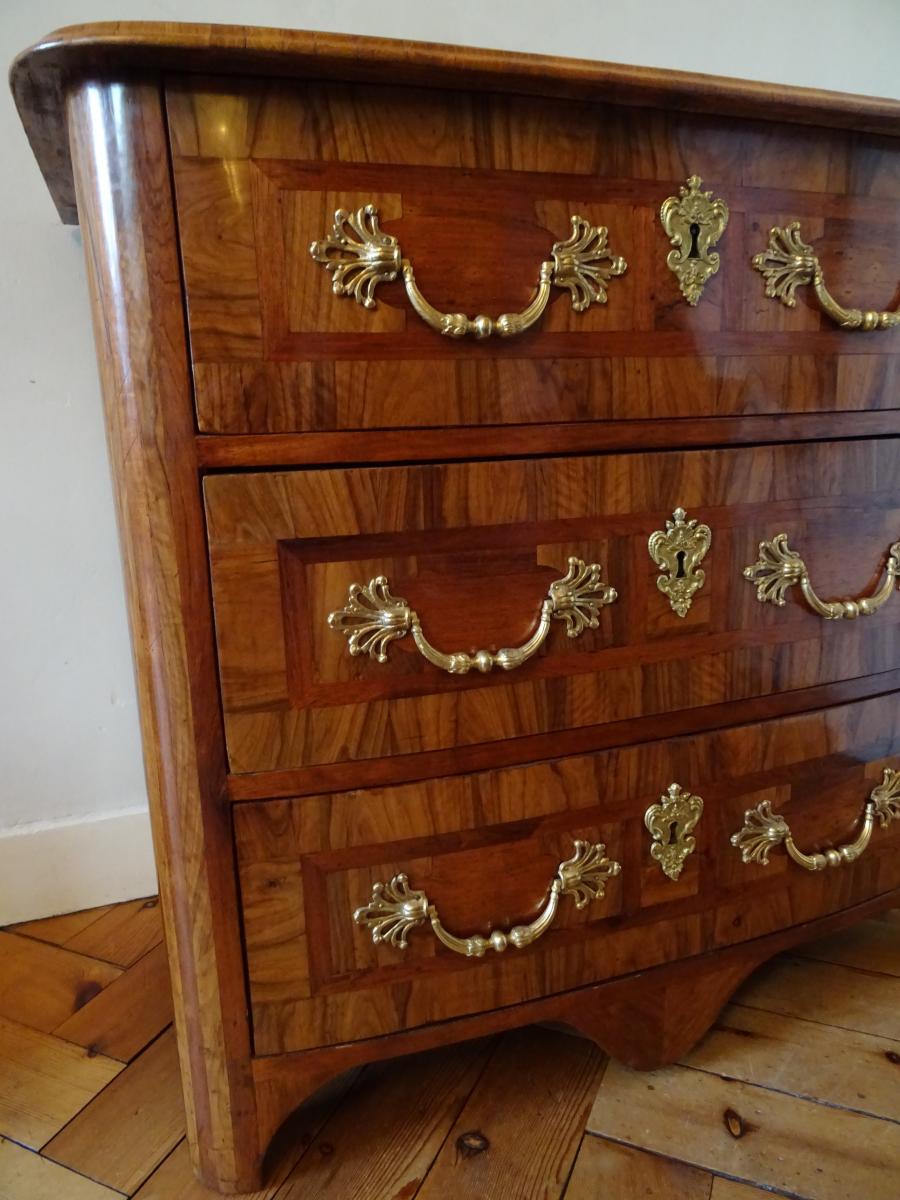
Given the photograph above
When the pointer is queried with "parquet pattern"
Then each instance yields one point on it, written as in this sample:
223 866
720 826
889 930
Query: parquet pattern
795 1092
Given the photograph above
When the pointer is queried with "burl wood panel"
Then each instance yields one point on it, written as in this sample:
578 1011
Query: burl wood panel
473 547
478 187
484 848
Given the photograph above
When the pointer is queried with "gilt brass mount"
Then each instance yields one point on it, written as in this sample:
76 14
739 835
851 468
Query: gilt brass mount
764 830
694 222
373 618
679 550
671 824
396 908
788 263
359 255
779 568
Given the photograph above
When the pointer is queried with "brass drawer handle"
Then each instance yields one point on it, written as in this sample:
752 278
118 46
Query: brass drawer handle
359 256
788 263
763 830
396 908
779 568
373 618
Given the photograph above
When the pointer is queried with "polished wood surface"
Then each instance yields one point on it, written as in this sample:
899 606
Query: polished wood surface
41 76
675 1004
223 451
477 204
247 409
405 768
473 548
120 153
805 1056
484 848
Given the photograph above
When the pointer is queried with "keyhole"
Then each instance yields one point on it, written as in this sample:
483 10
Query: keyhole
679 559
673 833
695 233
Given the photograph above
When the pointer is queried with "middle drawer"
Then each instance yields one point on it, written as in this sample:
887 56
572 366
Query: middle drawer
470 557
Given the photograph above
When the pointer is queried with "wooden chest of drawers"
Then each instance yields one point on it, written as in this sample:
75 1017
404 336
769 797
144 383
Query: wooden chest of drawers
485 670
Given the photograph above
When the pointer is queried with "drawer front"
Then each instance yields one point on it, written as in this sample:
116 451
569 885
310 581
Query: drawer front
484 848
474 548
477 189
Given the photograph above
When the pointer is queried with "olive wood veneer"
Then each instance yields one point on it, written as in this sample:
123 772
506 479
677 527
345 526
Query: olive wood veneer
225 360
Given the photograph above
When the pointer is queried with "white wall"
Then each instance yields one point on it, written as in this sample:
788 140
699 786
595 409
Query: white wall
69 749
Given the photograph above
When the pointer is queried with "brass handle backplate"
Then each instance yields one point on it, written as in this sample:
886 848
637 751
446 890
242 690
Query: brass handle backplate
779 568
763 830
359 255
373 618
396 908
788 263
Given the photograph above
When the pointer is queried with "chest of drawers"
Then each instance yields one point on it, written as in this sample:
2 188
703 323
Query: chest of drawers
489 668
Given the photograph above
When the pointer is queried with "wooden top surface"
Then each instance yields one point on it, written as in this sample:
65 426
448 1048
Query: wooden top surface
40 76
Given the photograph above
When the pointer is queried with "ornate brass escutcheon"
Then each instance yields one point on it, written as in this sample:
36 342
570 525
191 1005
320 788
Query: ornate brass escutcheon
694 222
360 256
679 550
671 824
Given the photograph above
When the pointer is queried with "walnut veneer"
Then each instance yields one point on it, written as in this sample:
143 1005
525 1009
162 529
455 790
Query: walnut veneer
273 444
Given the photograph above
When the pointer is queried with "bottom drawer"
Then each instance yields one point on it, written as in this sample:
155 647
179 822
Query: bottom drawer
520 847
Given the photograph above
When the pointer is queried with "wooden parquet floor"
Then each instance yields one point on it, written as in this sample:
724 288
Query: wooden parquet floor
795 1092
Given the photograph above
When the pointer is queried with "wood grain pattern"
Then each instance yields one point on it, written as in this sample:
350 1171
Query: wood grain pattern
61 929
417 1102
128 1014
876 947
357 1133
41 76
484 848
131 1126
199 184
500 1152
261 167
604 1168
45 1082
405 768
123 935
121 163
473 548
645 1020
43 985
824 990
749 1133
729 1189
175 1176
25 1176
803 1058
222 451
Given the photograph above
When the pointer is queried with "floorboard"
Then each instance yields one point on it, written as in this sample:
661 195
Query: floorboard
128 1014
383 1139
749 1133
129 1128
42 985
795 1092
500 1149
45 1082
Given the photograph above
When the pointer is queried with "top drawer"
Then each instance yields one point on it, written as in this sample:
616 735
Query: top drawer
477 188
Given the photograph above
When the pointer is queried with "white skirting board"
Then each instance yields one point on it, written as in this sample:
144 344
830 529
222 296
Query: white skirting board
56 867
